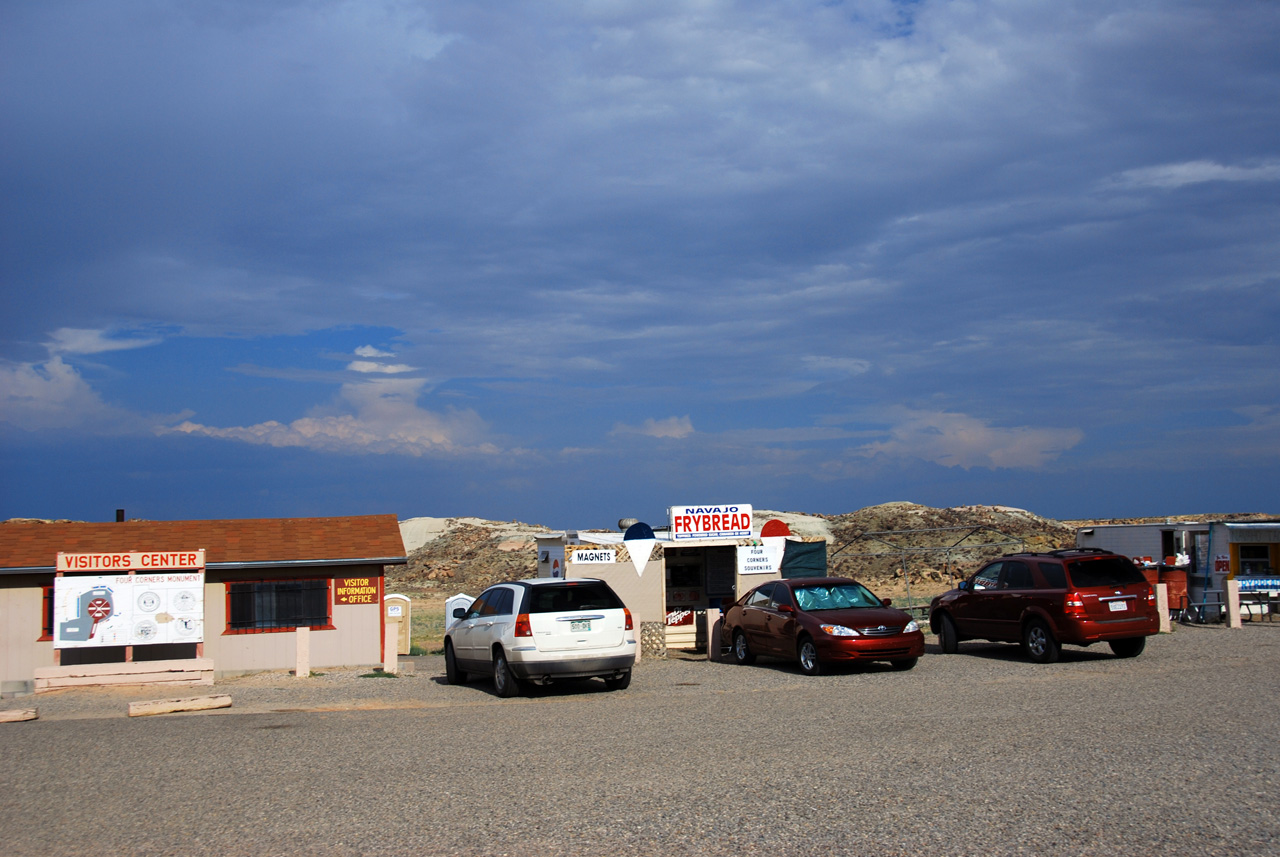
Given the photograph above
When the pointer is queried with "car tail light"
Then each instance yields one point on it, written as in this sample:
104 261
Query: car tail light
1074 605
1151 595
630 626
523 628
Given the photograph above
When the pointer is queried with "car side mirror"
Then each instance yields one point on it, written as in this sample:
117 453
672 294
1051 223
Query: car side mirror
786 608
962 585
459 612
886 601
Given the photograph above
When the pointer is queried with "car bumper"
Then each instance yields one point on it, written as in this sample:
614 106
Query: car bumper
543 666
897 647
1082 632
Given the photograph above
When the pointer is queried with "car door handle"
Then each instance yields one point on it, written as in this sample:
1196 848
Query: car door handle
578 618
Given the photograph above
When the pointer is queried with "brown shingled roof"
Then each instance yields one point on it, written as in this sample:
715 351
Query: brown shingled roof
28 544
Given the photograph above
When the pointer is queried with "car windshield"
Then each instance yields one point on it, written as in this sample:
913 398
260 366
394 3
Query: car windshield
839 596
1104 571
572 596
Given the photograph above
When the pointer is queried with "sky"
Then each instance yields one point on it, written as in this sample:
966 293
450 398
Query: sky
569 262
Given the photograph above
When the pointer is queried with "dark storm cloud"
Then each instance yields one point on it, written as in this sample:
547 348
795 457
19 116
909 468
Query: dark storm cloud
1006 224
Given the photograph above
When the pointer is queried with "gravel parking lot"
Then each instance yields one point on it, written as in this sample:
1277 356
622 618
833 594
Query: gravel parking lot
978 753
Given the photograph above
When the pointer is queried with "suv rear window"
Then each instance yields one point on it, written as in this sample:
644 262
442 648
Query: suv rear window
1104 571
572 596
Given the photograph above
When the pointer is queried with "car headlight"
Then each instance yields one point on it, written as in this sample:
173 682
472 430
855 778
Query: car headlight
913 625
839 631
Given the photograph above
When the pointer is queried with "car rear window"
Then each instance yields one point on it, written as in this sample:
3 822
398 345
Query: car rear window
572 596
1104 571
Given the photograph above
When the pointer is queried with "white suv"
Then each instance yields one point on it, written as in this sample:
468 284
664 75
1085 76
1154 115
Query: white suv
542 630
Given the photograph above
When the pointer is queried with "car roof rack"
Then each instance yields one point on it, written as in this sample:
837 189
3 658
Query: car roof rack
1070 551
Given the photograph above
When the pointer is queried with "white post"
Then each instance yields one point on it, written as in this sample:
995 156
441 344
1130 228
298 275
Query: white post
714 625
1233 604
1162 607
390 644
302 659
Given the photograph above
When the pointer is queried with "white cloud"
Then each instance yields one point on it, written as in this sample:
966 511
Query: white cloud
384 418
48 395
74 340
370 351
959 440
676 427
369 367
1195 172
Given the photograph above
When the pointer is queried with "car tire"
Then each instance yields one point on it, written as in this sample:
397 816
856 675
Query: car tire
904 664
807 656
948 639
621 682
452 674
504 681
1039 644
742 653
1130 647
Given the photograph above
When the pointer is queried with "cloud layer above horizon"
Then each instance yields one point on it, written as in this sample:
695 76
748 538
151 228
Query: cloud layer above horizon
811 256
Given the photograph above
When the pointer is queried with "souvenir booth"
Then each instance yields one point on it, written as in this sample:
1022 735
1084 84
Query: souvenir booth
675 578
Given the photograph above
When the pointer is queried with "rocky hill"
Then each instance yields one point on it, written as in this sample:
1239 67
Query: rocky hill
448 555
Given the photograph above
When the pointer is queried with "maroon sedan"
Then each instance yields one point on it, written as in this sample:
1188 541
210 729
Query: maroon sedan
821 621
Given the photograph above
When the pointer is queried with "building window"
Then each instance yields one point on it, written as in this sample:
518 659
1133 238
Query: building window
46 613
277 605
1255 559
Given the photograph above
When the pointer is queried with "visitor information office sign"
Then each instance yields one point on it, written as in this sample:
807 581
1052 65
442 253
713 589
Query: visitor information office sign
134 599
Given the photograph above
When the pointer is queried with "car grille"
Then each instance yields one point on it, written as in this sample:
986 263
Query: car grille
887 653
880 631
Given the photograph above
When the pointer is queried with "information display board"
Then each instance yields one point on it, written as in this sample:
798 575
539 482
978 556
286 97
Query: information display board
128 610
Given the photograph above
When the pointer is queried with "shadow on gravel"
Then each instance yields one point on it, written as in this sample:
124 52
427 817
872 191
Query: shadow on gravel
1013 653
568 687
784 666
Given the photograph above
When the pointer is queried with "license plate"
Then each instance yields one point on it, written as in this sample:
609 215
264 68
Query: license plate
580 625
1118 606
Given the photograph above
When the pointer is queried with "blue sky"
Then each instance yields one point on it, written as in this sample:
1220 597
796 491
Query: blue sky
569 262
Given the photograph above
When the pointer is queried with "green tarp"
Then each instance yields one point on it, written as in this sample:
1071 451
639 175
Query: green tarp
804 559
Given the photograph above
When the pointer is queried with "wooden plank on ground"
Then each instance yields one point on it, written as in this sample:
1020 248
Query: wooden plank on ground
17 715
136 667
170 706
192 678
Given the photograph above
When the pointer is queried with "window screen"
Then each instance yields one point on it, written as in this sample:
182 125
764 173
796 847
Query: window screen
268 604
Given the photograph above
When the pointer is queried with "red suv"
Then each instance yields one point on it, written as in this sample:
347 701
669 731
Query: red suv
1042 600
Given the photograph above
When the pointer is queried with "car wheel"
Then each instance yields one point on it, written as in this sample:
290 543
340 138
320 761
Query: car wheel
621 682
1039 644
904 664
452 674
504 681
947 636
741 651
807 655
1129 648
